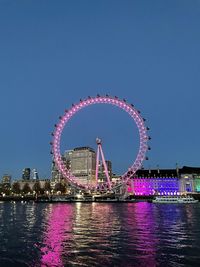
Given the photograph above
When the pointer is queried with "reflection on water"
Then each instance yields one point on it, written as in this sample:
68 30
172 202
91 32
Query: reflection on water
59 227
99 234
144 242
95 228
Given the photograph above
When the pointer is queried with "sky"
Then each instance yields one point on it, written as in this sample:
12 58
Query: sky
52 53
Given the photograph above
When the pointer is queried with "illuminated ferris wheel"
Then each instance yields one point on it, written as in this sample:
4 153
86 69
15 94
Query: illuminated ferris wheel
137 163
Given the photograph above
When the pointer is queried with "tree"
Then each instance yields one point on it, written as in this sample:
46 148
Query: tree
37 187
47 186
26 188
1 189
6 189
16 188
60 187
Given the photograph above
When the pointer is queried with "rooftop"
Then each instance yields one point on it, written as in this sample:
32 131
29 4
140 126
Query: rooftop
167 172
84 148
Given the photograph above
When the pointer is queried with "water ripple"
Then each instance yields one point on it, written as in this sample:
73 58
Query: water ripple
99 234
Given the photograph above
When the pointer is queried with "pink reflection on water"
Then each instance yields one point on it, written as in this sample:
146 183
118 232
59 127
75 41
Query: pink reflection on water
59 228
143 229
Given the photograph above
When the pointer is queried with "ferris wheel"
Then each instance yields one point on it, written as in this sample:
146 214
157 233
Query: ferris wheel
121 104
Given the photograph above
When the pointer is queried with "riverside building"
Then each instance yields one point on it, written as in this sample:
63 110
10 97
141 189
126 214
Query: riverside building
81 162
189 179
165 181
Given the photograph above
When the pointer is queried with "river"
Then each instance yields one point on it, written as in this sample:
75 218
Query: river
99 234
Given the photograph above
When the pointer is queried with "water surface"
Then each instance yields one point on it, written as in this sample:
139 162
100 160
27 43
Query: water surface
99 234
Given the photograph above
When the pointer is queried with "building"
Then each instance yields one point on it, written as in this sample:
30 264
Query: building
102 175
189 179
6 179
81 162
54 172
165 181
67 157
29 174
26 175
6 184
35 175
151 182
56 176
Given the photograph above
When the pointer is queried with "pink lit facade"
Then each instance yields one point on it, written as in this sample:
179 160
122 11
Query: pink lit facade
162 182
165 182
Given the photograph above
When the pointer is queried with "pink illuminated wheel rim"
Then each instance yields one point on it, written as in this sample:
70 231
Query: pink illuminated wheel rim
122 104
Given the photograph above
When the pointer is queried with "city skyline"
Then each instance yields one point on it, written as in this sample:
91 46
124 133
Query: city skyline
33 172
54 54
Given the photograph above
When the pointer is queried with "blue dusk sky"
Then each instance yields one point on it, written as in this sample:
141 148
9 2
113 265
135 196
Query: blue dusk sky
52 53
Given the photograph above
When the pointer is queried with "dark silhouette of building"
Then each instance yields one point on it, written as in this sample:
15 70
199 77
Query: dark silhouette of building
26 175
